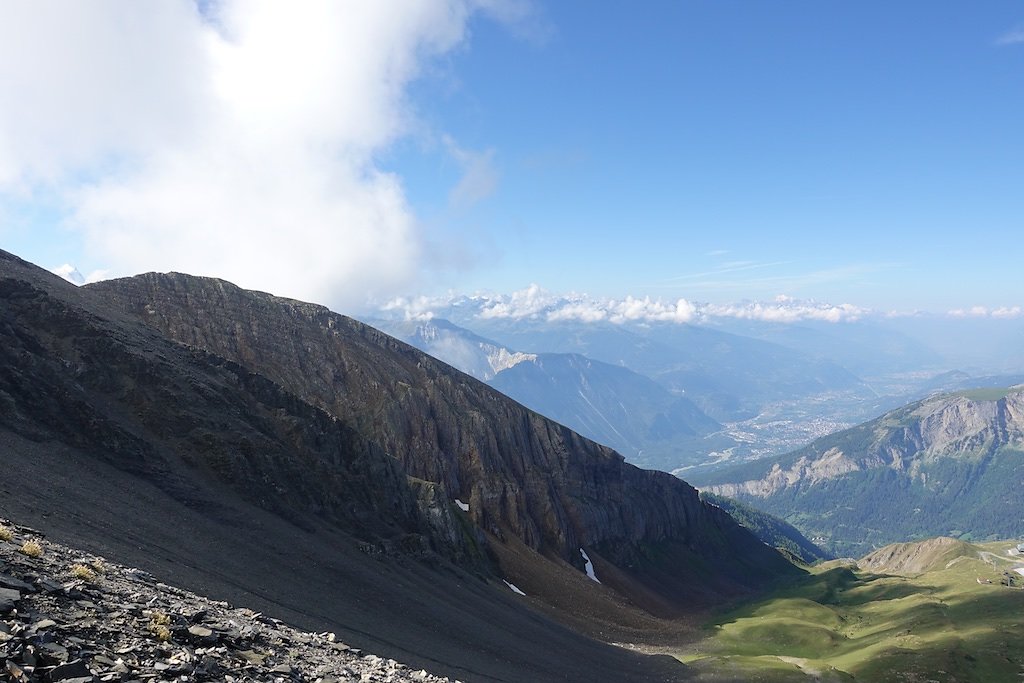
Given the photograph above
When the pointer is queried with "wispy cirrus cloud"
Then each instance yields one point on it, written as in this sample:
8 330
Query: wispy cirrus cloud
1014 36
480 174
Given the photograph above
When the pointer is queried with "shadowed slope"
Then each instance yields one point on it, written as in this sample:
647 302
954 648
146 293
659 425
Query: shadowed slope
295 460
521 474
186 464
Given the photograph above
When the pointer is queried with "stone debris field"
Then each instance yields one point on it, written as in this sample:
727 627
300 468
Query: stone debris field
74 618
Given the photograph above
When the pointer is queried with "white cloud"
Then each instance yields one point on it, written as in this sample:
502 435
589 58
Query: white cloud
1007 312
646 310
1011 37
479 175
1002 312
787 310
525 303
412 308
241 144
973 312
536 303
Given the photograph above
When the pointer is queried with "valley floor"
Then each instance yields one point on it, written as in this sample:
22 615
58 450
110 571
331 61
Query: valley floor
959 619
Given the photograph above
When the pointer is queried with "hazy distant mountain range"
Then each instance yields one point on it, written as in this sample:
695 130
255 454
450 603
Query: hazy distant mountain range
608 403
771 379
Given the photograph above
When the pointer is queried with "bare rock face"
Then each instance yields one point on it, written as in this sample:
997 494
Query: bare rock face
833 463
953 427
947 465
521 474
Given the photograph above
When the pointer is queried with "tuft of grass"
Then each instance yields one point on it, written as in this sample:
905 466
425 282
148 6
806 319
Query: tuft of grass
158 626
160 632
80 571
32 549
6 534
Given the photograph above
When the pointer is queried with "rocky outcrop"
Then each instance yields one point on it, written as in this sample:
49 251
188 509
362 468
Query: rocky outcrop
520 473
833 463
947 465
906 440
79 618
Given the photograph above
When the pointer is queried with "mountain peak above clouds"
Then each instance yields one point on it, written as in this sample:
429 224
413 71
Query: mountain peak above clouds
70 273
75 277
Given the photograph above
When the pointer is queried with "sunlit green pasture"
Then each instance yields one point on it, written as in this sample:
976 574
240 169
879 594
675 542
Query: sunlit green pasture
841 623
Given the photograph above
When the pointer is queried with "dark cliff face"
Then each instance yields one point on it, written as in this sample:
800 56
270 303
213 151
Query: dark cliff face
154 408
520 473
185 462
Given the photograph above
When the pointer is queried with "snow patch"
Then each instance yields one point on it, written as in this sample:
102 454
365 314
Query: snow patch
1019 570
513 587
589 566
462 506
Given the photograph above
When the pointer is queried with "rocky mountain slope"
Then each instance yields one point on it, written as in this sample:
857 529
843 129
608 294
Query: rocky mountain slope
269 451
75 617
947 465
614 406
610 404
456 346
728 376
520 474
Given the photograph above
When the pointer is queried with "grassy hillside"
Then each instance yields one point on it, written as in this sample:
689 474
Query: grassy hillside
843 623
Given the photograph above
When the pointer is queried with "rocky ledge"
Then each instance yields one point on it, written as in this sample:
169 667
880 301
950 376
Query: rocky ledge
74 618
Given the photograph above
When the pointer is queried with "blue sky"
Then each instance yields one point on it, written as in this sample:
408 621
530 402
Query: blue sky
865 153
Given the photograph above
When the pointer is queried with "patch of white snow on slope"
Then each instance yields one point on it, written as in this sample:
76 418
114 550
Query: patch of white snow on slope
462 506
589 566
513 587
